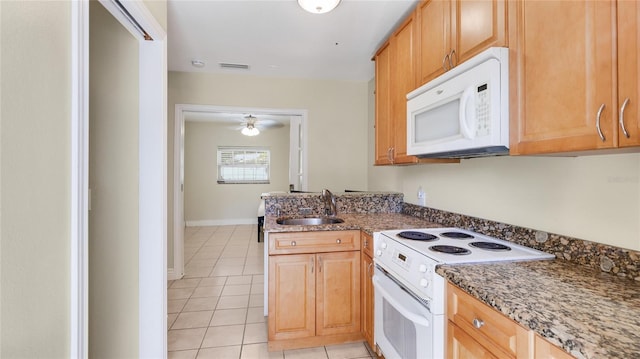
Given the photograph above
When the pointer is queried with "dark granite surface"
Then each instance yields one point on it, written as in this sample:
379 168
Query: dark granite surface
588 313
587 301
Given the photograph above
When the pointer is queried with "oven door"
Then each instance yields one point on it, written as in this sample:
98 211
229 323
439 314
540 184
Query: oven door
404 326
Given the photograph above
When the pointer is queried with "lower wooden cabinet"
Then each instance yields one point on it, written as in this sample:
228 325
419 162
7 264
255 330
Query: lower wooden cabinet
546 350
463 346
366 273
475 330
314 298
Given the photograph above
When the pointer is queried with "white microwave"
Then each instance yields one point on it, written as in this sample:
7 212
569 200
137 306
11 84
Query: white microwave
463 113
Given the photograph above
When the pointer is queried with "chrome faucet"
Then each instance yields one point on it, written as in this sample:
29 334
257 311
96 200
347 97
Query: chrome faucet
329 202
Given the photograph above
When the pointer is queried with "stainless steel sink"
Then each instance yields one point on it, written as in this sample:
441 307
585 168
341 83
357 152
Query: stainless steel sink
312 221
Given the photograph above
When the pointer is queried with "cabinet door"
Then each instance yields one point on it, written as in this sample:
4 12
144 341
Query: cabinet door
403 81
434 31
292 302
338 293
383 106
476 26
462 346
367 299
629 72
564 74
546 350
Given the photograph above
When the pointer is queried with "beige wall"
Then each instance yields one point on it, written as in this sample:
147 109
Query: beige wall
337 117
158 8
35 201
113 179
596 198
206 201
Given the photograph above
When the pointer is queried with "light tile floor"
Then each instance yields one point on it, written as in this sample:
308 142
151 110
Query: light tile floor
216 310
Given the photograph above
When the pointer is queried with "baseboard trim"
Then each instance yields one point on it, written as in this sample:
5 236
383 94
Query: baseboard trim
222 222
172 275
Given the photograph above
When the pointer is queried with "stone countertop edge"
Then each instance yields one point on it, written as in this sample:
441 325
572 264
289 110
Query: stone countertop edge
588 313
368 223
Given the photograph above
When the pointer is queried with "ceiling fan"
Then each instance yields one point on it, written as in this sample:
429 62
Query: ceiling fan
252 125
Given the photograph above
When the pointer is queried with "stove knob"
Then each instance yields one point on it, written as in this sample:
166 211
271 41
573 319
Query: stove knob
378 253
424 283
383 245
422 268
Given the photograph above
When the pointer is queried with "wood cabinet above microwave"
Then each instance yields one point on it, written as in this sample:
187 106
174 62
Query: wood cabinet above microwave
452 31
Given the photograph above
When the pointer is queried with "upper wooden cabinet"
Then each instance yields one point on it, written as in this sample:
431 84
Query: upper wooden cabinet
452 31
628 73
383 106
395 77
569 85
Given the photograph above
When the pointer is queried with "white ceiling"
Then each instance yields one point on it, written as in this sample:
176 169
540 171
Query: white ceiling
277 38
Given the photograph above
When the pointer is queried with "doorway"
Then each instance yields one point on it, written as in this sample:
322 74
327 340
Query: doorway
297 163
143 307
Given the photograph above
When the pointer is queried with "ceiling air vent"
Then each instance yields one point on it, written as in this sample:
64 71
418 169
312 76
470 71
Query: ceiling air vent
226 65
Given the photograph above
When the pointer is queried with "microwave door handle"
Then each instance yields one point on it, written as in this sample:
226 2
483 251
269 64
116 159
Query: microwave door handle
467 118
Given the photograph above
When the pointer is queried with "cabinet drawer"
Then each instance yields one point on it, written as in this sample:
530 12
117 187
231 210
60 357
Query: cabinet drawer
313 242
486 325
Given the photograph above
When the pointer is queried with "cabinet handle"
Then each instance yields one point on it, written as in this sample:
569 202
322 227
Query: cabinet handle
312 264
319 264
389 154
598 115
624 106
444 62
451 55
478 323
369 269
366 243
293 243
338 240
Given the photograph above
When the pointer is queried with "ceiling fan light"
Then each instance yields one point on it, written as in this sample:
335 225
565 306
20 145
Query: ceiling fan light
250 130
318 6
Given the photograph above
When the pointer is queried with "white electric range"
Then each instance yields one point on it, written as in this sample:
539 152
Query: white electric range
410 296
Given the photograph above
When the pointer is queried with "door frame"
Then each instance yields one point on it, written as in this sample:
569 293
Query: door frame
152 215
178 167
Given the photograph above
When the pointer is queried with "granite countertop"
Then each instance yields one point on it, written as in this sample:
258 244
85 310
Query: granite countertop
367 222
588 313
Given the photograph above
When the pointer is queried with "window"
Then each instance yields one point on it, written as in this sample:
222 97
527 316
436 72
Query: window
243 164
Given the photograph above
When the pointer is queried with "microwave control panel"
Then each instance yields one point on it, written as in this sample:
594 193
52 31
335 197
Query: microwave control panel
483 111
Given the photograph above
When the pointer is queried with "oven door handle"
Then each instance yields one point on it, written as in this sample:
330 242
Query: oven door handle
412 317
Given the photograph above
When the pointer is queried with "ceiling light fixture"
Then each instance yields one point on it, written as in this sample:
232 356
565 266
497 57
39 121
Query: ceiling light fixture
250 129
318 6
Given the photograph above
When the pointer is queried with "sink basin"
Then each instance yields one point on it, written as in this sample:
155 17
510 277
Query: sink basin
314 221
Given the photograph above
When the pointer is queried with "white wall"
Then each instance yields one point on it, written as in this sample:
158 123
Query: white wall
113 179
34 166
596 198
205 201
